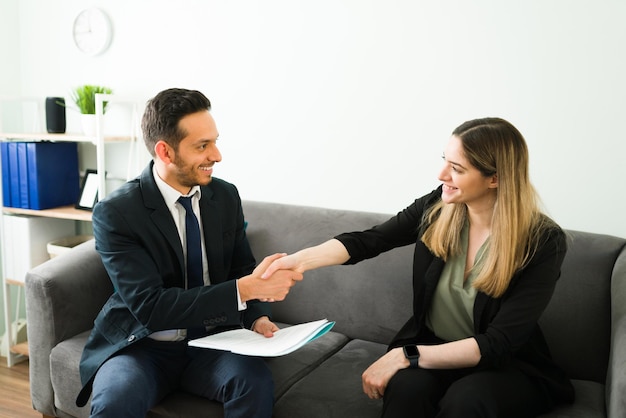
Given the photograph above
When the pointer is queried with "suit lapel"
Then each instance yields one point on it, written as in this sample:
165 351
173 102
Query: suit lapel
161 216
212 230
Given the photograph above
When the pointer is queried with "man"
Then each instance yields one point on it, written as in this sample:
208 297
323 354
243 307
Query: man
177 275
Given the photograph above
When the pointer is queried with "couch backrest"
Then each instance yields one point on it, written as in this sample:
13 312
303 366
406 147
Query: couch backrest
577 322
371 300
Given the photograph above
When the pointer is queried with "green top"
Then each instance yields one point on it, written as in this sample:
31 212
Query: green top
451 314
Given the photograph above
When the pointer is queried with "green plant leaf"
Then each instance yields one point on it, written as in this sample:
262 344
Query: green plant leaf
85 98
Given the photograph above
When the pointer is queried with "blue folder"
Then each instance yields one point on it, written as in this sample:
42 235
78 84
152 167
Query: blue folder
6 174
53 178
14 175
22 168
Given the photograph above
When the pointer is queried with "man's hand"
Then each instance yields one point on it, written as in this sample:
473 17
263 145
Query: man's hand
273 288
264 326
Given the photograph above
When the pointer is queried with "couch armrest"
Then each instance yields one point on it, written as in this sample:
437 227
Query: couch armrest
616 376
63 297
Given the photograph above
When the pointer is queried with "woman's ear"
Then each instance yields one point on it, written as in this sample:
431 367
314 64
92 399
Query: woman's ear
493 184
164 152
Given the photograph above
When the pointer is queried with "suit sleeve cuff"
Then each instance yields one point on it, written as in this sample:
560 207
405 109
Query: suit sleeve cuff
241 306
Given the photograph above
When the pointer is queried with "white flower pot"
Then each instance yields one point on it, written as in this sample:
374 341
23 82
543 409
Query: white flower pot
88 123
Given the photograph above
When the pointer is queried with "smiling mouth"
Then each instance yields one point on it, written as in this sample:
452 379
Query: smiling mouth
449 188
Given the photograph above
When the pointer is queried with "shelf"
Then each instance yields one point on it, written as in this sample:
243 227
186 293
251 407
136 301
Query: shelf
21 348
63 212
17 352
59 137
14 282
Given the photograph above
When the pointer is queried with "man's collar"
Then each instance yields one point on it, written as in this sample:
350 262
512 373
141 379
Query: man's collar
169 193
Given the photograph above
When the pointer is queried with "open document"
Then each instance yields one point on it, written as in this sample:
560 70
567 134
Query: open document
249 343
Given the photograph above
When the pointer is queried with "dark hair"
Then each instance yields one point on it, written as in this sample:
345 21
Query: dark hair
165 110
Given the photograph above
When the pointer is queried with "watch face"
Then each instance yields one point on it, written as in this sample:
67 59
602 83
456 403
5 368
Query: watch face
92 31
410 351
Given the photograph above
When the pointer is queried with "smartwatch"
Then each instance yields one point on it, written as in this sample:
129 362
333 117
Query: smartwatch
412 354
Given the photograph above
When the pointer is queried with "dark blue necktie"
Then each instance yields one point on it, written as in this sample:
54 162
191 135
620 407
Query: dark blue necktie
194 245
194 257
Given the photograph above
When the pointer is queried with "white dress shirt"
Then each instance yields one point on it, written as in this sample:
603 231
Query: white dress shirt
171 195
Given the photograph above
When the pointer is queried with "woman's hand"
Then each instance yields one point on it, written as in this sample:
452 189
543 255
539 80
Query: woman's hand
329 253
378 375
286 262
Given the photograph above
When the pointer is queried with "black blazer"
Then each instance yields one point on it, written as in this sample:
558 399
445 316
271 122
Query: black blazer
142 253
506 328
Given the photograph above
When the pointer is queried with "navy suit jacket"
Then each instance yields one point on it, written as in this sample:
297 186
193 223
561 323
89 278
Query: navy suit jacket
141 250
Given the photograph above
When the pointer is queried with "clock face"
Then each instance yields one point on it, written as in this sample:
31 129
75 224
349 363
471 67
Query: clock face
92 31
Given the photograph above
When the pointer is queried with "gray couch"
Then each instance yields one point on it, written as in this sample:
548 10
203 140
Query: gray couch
585 322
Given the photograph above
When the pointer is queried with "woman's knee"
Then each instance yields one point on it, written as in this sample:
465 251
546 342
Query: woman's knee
410 392
494 393
462 401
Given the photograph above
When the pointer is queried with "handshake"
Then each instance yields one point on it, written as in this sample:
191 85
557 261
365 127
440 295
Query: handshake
274 277
271 280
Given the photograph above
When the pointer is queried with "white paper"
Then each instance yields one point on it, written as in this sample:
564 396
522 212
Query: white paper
249 343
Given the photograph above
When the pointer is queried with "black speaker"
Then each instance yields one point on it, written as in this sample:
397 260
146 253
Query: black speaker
55 115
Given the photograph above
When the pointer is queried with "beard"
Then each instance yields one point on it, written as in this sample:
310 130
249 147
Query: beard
187 175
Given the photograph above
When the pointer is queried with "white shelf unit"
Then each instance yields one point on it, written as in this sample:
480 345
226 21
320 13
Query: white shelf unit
19 352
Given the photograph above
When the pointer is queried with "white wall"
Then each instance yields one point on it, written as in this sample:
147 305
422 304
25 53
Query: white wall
9 85
348 103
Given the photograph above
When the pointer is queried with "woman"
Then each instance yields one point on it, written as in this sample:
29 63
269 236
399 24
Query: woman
485 266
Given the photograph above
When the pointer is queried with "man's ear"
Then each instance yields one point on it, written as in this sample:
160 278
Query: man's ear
164 152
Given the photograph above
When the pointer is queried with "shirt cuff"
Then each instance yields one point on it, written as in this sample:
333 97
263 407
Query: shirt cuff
242 306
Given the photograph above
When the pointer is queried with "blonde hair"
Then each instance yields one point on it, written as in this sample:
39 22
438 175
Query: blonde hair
493 146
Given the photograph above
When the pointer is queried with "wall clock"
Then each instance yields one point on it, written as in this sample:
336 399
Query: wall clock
92 31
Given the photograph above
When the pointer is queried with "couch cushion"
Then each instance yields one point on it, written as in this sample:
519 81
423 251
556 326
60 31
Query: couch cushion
589 402
287 370
334 389
64 361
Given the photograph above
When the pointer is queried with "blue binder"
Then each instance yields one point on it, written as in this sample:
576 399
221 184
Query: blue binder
14 175
53 178
22 168
6 174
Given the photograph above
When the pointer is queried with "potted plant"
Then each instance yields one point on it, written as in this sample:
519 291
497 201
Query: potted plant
84 98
